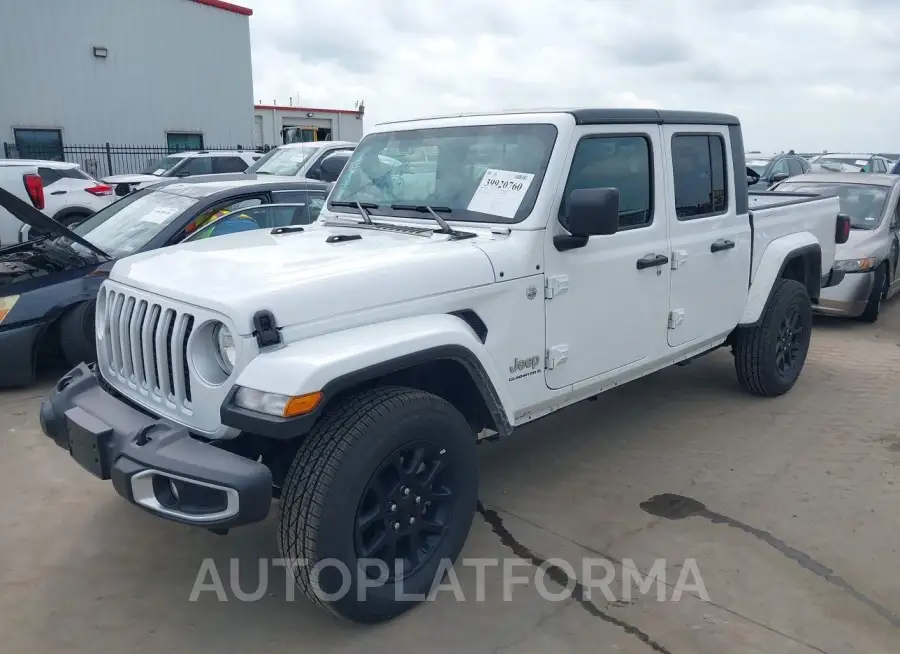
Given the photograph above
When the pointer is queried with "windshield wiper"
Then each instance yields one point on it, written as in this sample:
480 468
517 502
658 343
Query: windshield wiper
445 227
363 208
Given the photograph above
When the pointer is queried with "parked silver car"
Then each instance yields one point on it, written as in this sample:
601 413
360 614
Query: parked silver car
870 256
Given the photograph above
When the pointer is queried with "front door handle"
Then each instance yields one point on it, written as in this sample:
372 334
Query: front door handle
651 260
721 244
58 193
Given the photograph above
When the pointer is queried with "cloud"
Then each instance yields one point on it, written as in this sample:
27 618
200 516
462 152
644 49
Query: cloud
800 75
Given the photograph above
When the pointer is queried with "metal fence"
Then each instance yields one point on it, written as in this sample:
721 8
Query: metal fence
105 159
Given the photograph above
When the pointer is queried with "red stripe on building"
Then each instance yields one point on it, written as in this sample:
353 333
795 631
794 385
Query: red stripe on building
226 6
353 112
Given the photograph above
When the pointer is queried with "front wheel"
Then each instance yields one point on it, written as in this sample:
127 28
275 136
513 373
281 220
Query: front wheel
876 297
378 501
769 356
76 334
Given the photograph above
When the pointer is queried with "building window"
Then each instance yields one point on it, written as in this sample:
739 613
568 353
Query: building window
699 173
39 144
181 141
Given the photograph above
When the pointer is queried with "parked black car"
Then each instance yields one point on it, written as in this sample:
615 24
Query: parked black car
48 286
774 169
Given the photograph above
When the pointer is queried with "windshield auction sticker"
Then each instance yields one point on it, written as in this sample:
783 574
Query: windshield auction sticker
500 192
159 215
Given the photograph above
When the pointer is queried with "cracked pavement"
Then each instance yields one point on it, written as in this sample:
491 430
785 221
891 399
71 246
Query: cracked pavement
793 490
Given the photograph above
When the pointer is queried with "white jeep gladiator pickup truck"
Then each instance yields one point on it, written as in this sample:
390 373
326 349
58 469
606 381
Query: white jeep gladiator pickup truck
348 368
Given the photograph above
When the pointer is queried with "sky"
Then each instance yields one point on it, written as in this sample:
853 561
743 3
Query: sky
800 76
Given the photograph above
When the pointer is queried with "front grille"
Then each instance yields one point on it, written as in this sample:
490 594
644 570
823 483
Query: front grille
146 346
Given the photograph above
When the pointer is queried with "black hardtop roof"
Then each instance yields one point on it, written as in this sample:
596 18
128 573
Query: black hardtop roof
601 116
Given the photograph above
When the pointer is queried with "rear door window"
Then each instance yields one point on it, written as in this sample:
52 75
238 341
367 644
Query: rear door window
699 175
194 166
50 175
228 165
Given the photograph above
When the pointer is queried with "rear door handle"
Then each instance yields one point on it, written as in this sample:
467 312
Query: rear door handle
58 193
651 260
721 244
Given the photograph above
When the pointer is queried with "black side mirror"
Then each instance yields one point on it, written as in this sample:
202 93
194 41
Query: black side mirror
779 177
752 176
589 212
314 173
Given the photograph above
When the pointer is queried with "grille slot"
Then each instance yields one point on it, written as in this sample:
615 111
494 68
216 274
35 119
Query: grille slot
146 347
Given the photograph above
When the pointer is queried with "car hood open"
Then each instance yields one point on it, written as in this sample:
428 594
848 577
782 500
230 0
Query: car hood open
34 218
322 272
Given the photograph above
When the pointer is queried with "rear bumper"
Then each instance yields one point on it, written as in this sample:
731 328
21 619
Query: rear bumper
153 463
18 347
848 298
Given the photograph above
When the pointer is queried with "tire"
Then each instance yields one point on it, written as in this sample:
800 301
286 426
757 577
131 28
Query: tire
762 368
331 484
76 334
876 297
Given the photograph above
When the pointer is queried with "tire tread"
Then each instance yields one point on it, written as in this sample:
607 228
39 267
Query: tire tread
312 473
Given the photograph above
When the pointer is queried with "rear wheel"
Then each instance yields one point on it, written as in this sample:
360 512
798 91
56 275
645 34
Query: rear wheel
380 496
76 334
876 297
770 355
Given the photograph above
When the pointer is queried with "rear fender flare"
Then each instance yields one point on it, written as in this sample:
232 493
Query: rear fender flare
775 259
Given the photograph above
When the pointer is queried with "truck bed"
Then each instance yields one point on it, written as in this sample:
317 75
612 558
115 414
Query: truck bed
774 215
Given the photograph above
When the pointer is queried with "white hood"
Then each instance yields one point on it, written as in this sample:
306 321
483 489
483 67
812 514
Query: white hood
300 277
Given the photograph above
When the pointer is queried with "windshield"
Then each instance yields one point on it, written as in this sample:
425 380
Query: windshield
159 167
127 225
482 173
758 165
283 161
864 203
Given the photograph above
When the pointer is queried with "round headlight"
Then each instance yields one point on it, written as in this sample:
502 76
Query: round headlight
225 351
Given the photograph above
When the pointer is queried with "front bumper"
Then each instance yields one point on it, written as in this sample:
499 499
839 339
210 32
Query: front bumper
153 463
18 349
848 298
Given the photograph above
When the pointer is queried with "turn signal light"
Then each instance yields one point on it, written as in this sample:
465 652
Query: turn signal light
302 404
6 305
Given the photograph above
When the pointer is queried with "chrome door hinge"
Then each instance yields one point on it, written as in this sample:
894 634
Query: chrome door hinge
676 317
679 258
556 285
556 355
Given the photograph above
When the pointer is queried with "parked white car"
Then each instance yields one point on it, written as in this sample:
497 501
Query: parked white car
836 162
349 366
322 160
185 164
60 189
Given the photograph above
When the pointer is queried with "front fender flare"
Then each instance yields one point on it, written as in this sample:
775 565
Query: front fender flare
771 266
334 362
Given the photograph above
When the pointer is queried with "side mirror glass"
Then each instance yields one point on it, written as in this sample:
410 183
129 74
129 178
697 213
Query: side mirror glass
779 177
593 211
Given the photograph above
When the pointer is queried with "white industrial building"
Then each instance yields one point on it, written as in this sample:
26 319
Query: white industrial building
169 73
274 124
